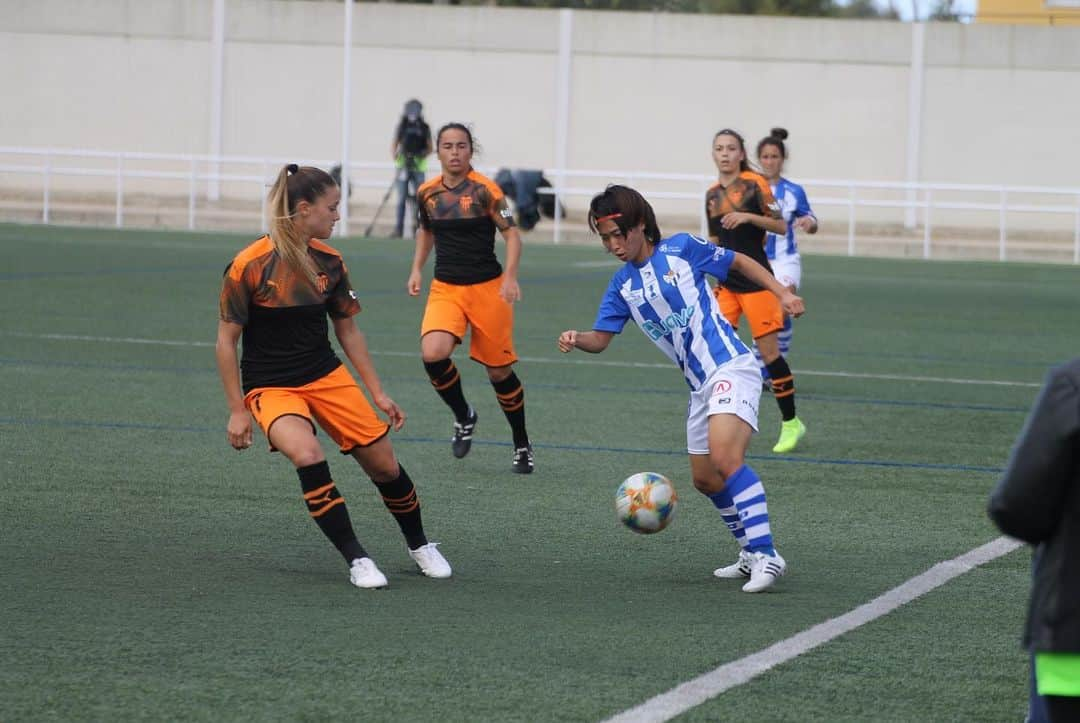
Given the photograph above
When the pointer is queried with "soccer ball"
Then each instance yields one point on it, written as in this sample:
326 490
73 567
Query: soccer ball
645 502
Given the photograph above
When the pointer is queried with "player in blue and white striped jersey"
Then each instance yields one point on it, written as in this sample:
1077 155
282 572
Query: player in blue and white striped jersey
663 289
783 251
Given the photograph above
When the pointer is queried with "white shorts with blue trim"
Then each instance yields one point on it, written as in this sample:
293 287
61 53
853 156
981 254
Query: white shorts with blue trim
787 268
734 388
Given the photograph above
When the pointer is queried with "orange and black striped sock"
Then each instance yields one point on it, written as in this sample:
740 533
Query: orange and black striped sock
327 508
783 387
511 396
446 379
399 496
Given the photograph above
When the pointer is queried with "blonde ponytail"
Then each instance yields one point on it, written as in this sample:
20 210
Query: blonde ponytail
294 184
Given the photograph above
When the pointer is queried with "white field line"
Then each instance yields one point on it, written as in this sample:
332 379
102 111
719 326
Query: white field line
694 692
549 360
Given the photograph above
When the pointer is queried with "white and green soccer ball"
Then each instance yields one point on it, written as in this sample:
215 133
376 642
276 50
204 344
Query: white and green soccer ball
645 502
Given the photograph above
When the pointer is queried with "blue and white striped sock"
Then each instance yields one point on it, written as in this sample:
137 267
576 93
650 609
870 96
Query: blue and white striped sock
783 339
730 515
761 364
748 494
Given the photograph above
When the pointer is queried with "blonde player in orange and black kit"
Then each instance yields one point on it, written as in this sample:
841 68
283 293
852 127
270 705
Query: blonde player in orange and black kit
459 212
741 210
277 295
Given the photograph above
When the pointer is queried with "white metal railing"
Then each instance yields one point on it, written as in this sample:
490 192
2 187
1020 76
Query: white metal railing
921 197
198 175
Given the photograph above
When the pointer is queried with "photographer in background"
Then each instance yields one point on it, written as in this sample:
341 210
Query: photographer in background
410 149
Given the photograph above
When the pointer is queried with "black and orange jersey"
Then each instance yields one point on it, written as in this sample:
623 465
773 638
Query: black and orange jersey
464 219
749 192
286 339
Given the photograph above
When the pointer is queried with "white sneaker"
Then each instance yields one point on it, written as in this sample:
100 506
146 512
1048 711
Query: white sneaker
739 568
430 561
363 573
764 571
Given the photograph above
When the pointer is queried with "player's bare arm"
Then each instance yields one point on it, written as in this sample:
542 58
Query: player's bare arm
511 290
738 218
808 224
593 342
757 273
425 241
354 344
238 429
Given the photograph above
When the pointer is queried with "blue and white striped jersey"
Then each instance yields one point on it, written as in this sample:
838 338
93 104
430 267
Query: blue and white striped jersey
793 205
669 298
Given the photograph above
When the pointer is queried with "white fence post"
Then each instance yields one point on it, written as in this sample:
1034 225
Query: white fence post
851 221
191 194
563 80
926 225
346 116
1076 232
262 199
45 182
703 212
1004 198
120 191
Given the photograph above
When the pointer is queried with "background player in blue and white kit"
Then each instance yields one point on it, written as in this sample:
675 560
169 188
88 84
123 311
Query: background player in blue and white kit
663 289
783 251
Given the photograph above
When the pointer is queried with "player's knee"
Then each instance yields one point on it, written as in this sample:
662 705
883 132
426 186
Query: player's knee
498 374
384 471
726 464
770 354
306 456
708 485
431 356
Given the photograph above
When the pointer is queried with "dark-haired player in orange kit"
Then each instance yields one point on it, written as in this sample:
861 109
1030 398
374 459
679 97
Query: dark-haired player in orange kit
459 212
277 294
741 209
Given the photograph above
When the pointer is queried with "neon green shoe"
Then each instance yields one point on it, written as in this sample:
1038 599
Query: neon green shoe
790 433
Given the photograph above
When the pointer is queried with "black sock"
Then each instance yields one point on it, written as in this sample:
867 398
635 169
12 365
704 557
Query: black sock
783 387
511 396
399 496
445 378
327 508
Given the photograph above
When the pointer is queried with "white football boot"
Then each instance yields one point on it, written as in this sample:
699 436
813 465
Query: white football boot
363 573
430 561
738 569
764 571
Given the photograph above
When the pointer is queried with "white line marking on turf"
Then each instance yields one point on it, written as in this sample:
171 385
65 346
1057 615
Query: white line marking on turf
548 360
694 692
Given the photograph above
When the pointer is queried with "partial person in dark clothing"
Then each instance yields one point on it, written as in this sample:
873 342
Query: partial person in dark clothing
523 187
1037 500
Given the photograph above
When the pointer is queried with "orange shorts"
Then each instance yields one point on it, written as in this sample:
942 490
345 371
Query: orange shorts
760 308
454 308
334 401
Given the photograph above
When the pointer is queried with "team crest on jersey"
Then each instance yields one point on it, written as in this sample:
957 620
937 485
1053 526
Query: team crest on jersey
322 282
466 203
672 277
632 296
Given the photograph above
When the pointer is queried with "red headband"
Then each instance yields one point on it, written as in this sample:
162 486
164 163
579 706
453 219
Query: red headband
609 217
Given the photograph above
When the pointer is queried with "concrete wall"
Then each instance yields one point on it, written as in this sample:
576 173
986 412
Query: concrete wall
648 90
